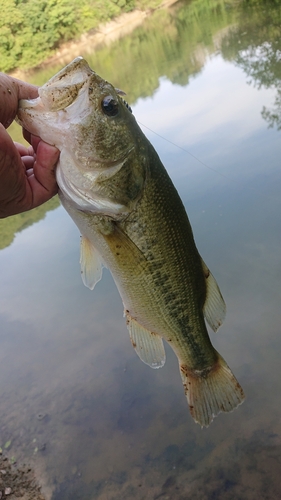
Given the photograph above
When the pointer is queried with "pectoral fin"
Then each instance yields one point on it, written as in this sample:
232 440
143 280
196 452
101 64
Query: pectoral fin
91 265
214 308
148 345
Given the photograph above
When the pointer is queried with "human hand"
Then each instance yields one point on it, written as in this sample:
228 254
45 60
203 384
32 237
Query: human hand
27 175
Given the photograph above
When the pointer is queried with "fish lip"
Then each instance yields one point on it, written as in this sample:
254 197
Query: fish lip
30 103
25 111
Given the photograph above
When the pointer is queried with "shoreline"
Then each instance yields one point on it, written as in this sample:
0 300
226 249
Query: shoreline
104 34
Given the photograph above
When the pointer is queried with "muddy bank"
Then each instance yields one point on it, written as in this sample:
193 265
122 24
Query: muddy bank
18 482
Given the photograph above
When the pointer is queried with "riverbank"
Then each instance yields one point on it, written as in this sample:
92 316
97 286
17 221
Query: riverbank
104 34
18 482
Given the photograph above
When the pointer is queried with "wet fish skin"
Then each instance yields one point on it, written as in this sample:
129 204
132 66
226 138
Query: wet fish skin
114 186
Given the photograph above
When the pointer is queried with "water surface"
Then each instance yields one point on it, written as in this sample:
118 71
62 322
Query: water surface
75 398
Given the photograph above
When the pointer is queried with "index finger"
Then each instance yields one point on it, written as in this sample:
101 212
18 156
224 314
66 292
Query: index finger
25 90
11 91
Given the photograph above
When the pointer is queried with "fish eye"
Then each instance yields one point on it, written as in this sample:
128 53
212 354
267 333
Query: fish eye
110 106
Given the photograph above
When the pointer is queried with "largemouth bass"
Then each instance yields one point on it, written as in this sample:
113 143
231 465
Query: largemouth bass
132 220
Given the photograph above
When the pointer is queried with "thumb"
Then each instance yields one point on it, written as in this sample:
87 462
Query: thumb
43 181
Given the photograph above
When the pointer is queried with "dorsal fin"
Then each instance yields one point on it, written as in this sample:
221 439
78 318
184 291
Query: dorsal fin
90 261
214 308
148 345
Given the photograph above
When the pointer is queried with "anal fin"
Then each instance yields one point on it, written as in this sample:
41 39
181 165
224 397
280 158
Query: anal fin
214 308
148 345
90 261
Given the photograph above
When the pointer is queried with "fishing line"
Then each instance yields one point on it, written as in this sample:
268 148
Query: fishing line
185 150
252 188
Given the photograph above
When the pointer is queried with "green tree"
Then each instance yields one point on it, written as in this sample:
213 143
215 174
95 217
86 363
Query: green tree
30 30
11 22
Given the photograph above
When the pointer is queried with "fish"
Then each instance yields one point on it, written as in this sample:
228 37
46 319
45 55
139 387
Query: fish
132 221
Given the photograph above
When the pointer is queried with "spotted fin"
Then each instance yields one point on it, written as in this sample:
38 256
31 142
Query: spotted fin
211 392
91 265
148 345
214 308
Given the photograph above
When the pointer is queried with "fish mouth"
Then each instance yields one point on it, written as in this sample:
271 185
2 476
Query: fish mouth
63 88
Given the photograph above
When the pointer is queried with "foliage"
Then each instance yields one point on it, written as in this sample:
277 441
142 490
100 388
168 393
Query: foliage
30 30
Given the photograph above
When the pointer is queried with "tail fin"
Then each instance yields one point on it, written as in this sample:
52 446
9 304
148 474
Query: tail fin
211 392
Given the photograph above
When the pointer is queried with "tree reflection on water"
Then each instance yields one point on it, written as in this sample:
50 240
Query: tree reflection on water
255 46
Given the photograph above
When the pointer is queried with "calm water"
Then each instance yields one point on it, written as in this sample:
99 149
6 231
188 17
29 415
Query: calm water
75 399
